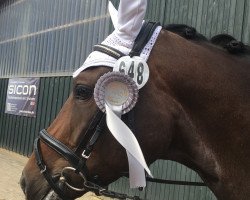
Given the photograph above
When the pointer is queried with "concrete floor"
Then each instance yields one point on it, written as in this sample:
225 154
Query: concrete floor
11 166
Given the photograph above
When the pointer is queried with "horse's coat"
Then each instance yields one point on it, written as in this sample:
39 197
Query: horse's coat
195 110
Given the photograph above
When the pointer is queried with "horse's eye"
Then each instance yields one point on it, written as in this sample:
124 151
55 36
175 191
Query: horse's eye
83 92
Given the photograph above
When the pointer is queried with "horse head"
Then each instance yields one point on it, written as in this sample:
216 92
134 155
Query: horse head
192 109
108 155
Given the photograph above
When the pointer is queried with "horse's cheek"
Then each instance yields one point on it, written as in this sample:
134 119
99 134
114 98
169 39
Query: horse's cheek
109 154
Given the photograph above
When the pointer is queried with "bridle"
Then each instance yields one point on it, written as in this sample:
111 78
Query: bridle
78 164
91 136
95 129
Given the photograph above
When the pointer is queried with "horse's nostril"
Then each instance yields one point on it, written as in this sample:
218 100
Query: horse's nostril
23 184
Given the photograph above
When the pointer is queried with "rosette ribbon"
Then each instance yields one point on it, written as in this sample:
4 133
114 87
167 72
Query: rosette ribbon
120 131
126 138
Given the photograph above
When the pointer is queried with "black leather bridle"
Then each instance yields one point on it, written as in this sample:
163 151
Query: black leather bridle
95 129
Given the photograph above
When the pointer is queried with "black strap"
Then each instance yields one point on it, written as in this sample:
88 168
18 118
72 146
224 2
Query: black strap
141 40
129 119
59 147
173 182
95 136
81 167
43 170
95 120
143 37
109 51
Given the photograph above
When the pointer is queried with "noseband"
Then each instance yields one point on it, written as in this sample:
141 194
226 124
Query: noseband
78 163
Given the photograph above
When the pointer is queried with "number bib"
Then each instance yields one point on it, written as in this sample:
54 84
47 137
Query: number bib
134 67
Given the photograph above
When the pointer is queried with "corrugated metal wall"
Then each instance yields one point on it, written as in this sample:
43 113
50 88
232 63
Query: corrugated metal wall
51 38
45 37
210 17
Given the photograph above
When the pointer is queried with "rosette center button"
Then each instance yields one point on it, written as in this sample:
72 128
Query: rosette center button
116 93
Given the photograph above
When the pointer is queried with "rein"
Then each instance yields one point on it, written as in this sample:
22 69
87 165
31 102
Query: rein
91 136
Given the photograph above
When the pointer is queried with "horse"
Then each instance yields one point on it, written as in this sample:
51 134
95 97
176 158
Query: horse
195 110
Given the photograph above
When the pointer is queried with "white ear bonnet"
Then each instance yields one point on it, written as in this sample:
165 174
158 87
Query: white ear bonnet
127 22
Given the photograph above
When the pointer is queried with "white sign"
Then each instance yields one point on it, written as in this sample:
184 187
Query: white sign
134 67
22 96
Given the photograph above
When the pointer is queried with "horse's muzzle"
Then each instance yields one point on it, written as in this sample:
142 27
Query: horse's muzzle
46 194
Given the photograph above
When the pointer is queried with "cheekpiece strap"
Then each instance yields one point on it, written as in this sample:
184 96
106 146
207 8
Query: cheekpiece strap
143 37
109 51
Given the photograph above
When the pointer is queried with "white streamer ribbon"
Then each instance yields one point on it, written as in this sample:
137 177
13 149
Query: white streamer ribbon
126 138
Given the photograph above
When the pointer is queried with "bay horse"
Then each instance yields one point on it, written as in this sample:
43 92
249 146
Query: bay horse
195 109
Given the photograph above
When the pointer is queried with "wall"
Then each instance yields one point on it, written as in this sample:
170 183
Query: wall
45 38
210 17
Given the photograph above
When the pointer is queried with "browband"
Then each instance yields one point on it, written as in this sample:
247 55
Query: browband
109 51
141 40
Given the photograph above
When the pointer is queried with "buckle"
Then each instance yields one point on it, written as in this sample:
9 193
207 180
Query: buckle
43 170
84 155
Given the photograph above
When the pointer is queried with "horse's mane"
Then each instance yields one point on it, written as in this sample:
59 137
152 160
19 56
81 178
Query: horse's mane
230 43
185 31
224 41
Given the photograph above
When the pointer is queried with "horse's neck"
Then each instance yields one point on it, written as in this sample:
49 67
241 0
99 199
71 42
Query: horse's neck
211 90
209 85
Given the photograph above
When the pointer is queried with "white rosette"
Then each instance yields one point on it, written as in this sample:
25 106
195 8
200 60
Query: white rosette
116 90
116 94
